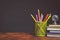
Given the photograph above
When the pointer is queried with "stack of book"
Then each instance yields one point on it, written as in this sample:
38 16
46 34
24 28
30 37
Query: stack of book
53 31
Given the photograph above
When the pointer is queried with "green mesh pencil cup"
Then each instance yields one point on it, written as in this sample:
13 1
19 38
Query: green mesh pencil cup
40 29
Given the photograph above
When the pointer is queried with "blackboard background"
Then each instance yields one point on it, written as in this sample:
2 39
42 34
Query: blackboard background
15 14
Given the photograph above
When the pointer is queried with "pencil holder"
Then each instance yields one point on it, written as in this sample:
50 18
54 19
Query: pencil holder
40 29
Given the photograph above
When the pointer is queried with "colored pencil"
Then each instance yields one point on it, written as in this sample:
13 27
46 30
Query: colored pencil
41 17
39 14
36 17
33 18
44 23
46 18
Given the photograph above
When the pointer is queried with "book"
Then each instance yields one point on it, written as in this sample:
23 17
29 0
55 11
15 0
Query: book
57 26
53 31
53 28
53 35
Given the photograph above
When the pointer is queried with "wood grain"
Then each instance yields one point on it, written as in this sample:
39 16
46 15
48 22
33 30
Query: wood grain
22 36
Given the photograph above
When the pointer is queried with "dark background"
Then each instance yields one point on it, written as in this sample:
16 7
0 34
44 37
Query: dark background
15 14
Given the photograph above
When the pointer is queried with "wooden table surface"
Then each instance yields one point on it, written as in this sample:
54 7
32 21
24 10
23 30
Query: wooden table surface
22 36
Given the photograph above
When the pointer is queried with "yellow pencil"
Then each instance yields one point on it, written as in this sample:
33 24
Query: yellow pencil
48 17
47 20
42 25
33 18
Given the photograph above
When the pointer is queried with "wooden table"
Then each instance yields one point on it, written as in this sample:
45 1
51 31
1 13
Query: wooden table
22 36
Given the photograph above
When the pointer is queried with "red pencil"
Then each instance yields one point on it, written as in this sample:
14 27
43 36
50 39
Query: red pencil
46 18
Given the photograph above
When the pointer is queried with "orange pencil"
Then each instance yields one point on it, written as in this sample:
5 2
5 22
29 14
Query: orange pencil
46 18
